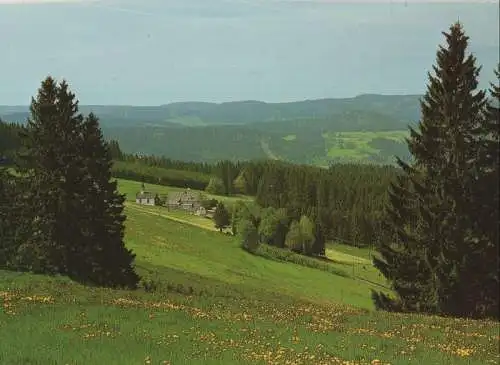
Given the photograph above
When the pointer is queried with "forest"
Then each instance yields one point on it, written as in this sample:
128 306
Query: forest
207 132
349 198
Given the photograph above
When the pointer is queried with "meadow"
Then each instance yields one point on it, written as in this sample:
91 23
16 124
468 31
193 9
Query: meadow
364 146
204 300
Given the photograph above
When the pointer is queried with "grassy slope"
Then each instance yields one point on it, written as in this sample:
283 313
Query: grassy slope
219 257
238 309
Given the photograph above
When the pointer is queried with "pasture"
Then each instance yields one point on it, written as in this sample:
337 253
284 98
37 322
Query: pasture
203 300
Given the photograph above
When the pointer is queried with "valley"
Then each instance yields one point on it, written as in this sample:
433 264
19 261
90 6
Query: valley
247 130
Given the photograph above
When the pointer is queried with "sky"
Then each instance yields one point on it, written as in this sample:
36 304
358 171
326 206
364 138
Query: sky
154 52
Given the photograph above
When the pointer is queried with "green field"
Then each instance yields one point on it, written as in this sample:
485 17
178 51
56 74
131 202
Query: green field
359 147
290 137
206 301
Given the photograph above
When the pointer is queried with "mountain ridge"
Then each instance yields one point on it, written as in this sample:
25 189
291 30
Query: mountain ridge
405 107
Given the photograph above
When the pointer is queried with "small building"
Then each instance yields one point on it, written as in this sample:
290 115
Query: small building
210 213
144 197
184 200
201 211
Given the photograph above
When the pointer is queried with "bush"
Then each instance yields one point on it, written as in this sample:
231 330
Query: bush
215 186
284 255
249 235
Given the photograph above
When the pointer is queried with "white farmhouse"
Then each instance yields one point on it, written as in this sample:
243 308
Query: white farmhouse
144 197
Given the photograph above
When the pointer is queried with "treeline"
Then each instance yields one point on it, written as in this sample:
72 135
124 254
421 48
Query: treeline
167 163
139 171
10 140
346 202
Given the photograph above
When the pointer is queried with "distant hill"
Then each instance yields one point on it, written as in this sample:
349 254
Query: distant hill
402 107
296 131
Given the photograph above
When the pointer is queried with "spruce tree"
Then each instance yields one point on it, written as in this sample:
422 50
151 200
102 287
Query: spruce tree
483 283
221 217
273 226
8 221
101 257
47 164
71 204
429 208
249 234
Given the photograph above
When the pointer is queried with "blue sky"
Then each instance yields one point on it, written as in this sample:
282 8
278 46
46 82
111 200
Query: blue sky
160 51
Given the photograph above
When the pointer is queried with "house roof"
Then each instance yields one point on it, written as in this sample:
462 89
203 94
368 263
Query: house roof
144 195
183 197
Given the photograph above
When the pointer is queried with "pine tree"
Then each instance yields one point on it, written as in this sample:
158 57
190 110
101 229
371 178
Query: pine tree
8 220
70 202
429 208
115 150
483 275
249 234
47 163
221 217
273 226
101 257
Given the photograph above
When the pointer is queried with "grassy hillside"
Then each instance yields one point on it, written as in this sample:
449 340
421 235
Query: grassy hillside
209 302
366 146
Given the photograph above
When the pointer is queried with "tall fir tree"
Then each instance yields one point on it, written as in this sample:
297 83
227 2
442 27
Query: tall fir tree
101 256
71 204
483 288
46 162
430 264
221 218
10 221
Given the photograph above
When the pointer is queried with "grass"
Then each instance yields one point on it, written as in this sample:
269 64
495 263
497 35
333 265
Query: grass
217 256
204 300
290 137
355 146
351 253
175 215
